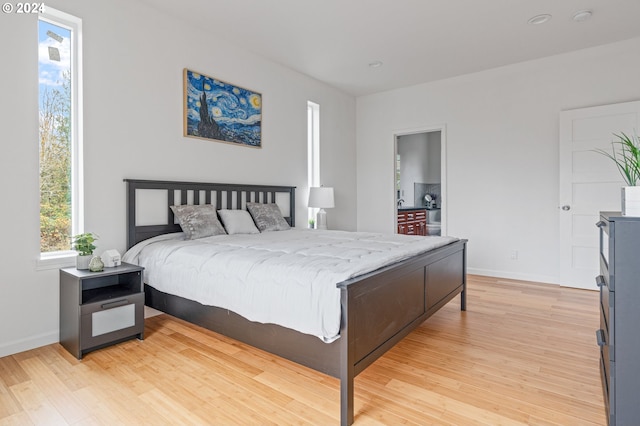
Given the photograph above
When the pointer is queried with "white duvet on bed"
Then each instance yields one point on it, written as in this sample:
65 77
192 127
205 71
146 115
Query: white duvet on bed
286 277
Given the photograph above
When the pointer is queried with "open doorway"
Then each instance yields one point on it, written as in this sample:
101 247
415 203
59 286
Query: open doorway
420 194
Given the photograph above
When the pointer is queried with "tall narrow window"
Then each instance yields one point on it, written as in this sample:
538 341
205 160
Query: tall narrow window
313 149
59 130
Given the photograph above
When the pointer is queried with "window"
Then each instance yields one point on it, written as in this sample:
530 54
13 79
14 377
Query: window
60 116
313 149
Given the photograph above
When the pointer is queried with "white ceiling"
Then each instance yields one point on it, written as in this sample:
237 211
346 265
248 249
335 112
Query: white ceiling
417 40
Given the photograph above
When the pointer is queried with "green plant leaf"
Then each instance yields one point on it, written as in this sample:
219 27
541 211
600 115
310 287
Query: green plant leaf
626 157
83 243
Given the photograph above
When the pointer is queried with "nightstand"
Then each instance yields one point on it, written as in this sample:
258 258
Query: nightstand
100 308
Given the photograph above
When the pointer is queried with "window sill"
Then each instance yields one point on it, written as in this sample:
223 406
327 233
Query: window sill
57 260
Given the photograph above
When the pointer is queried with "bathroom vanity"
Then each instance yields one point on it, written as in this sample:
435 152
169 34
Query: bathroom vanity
412 221
418 221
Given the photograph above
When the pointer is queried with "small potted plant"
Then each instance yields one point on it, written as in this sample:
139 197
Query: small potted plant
627 160
312 223
83 244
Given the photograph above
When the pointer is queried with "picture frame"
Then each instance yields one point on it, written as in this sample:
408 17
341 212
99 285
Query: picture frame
221 111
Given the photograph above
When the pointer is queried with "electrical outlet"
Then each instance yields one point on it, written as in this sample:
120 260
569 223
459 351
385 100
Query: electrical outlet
513 255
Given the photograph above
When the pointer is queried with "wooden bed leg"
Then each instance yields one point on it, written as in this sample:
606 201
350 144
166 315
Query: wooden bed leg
463 297
463 294
347 368
346 401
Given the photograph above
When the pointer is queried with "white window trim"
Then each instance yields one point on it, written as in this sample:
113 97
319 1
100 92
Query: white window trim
313 150
54 260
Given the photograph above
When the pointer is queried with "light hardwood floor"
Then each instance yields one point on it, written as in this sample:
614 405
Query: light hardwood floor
523 353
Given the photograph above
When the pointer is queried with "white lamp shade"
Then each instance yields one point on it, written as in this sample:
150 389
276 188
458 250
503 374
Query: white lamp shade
321 197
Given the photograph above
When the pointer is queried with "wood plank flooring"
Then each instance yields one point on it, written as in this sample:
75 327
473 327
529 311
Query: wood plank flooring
523 353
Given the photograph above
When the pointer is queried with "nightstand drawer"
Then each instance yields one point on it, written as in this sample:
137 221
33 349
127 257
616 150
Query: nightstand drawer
111 320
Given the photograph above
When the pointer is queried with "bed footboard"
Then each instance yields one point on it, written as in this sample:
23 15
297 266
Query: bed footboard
381 308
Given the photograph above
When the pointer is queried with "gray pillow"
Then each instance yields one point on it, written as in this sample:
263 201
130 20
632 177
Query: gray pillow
267 217
198 221
238 222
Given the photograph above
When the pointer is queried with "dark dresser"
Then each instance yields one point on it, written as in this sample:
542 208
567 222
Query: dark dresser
619 333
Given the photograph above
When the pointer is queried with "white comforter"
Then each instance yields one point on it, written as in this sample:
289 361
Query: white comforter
286 277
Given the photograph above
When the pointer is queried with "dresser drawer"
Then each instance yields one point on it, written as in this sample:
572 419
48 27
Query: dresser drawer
606 362
605 304
606 337
411 216
604 377
607 317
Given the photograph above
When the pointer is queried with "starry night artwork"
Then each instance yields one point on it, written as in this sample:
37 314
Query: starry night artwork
221 111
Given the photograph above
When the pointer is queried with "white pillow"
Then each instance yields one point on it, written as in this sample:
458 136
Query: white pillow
237 222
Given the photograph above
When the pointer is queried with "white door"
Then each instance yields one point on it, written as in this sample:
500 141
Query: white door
589 183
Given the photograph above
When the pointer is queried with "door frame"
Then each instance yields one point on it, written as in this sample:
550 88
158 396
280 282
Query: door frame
442 128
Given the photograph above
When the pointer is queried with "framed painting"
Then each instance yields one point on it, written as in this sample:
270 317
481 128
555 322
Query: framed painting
214 109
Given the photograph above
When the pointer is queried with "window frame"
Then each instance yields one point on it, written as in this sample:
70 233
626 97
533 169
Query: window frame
57 259
313 150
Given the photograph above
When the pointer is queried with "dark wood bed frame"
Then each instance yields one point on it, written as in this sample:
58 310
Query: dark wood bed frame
378 309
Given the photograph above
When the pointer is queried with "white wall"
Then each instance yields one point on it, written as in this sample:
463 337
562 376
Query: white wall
434 155
414 159
133 61
502 150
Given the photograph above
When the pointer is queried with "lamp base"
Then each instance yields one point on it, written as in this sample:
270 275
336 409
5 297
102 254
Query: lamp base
321 219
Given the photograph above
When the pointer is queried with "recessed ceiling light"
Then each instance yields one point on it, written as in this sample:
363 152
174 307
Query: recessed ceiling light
539 19
582 15
375 64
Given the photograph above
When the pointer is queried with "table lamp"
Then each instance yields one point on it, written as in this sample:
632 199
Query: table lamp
322 198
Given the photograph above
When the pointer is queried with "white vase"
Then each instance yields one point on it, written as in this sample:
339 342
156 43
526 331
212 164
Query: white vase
82 262
631 201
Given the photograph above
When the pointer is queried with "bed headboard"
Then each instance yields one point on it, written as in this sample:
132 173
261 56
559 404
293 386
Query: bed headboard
148 202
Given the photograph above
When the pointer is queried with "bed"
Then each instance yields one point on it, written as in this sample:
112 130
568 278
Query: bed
376 308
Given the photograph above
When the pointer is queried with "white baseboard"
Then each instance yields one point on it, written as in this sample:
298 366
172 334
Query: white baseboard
44 339
514 276
31 342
